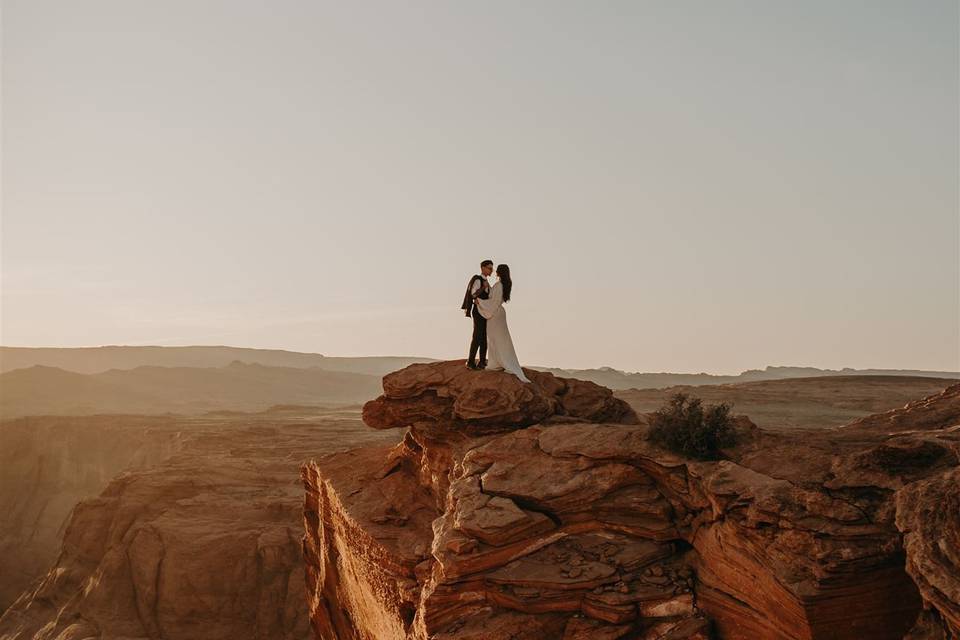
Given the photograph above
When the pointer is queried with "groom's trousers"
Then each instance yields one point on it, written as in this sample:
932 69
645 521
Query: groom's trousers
479 341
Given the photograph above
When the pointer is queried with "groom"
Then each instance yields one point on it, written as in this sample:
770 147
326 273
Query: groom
478 287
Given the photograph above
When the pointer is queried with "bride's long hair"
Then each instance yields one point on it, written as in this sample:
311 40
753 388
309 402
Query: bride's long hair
503 272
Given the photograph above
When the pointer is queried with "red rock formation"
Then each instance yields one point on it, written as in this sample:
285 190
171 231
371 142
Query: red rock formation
47 465
204 545
476 527
449 394
938 411
928 513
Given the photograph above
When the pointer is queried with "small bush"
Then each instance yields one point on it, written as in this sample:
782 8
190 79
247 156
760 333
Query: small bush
686 427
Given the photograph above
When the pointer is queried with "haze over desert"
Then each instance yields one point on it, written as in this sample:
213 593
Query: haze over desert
479 321
117 519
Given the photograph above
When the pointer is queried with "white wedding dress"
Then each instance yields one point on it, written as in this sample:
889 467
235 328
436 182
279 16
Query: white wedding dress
500 352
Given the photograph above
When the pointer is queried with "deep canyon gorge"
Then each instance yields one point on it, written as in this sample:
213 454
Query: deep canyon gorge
465 505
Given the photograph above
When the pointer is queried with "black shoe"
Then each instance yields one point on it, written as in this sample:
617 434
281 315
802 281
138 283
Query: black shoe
472 365
482 365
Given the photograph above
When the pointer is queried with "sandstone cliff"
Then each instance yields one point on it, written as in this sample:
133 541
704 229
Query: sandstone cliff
47 465
204 545
542 511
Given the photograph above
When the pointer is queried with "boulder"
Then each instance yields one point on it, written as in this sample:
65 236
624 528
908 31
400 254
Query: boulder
450 395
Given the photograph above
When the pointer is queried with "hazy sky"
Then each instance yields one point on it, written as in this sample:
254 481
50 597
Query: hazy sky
682 186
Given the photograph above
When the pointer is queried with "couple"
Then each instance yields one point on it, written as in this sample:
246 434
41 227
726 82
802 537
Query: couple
490 333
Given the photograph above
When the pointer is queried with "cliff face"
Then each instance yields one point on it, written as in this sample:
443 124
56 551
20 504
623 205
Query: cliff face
47 465
204 545
928 512
542 511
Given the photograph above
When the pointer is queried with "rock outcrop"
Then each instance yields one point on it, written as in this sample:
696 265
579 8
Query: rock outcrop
449 394
928 513
543 511
823 402
928 509
204 545
48 464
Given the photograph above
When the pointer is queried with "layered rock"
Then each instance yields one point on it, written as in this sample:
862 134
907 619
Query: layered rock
822 402
449 394
524 511
937 411
204 545
47 465
928 513
917 458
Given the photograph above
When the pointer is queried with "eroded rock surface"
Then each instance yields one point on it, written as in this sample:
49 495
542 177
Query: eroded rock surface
928 513
47 465
509 513
204 545
449 394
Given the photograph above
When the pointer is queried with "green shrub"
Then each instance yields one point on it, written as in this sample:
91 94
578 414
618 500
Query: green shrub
685 426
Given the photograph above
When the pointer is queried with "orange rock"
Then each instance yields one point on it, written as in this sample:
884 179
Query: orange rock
540 527
928 514
449 394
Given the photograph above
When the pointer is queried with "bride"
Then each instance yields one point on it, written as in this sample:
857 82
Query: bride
501 355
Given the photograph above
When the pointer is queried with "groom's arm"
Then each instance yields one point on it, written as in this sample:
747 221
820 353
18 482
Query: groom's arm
477 289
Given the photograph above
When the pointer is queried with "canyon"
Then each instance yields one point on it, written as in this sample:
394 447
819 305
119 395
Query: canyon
196 535
544 511
48 464
473 506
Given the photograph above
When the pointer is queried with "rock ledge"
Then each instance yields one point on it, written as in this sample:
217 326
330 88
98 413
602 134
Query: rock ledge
542 511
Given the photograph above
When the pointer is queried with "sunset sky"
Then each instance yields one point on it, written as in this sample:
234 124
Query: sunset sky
677 186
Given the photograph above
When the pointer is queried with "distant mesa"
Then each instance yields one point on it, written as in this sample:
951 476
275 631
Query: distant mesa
150 389
100 359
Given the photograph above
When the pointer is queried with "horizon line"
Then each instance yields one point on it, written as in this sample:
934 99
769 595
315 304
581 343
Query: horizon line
418 357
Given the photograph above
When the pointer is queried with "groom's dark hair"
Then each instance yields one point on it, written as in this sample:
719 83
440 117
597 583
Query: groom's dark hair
486 263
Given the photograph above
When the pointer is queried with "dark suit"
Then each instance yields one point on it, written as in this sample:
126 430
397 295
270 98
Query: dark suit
478 343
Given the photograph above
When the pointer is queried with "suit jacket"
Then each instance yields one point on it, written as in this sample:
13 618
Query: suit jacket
468 296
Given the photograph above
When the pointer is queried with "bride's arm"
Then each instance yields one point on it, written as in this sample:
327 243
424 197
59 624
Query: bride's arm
491 306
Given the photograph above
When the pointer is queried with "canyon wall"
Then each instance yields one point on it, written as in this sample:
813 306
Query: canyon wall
202 545
544 511
47 465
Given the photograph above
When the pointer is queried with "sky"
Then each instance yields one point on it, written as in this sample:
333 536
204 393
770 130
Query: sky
677 186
